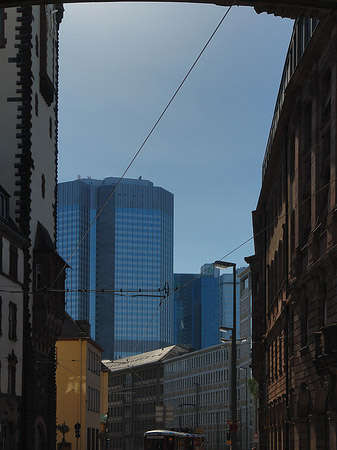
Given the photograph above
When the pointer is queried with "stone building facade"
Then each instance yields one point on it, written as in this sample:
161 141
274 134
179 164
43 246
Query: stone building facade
197 387
294 266
135 392
28 172
12 250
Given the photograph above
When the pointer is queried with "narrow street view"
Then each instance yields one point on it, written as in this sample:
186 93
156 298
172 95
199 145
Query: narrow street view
168 226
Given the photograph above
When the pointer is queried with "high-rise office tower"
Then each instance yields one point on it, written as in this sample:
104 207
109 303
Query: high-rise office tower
197 308
202 303
226 295
125 258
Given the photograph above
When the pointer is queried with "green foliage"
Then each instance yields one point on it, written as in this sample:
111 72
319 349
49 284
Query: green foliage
253 388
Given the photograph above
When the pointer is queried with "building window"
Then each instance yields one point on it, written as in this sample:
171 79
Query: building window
93 434
1 246
3 200
304 322
46 84
43 185
292 157
12 362
37 45
11 380
0 319
36 104
127 379
88 438
38 277
12 321
13 261
2 28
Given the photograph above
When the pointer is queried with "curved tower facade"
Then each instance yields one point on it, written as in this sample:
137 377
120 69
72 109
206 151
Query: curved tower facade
126 258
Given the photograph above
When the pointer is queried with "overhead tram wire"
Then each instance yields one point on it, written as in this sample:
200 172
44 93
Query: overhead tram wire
144 142
283 216
168 293
12 291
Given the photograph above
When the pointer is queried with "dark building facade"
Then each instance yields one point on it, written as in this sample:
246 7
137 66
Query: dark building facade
294 267
28 172
135 392
12 249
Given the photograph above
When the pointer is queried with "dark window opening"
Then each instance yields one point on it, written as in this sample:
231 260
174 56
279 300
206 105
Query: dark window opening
43 186
322 197
2 28
0 316
38 277
292 157
11 380
12 362
1 247
13 261
304 323
4 206
36 104
12 321
37 45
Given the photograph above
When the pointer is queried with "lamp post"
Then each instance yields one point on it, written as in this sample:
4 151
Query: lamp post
246 369
225 265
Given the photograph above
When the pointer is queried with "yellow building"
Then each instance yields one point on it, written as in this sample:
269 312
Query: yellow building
81 391
104 407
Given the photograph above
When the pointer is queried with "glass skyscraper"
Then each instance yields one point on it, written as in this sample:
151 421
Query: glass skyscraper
126 257
197 308
226 296
202 303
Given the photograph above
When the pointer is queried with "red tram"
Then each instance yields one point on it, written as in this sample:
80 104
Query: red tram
173 440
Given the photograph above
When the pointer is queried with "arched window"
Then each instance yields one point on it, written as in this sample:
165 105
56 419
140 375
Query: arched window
40 435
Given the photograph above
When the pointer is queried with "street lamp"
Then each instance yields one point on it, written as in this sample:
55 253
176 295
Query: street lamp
225 265
246 369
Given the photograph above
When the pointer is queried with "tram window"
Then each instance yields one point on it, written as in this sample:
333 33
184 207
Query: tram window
189 443
155 444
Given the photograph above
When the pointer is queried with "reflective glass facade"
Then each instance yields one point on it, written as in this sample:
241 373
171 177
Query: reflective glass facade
130 249
187 311
202 304
197 308
73 219
226 295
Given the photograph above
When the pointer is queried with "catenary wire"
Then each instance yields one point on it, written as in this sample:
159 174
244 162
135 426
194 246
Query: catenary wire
263 230
283 216
145 141
242 244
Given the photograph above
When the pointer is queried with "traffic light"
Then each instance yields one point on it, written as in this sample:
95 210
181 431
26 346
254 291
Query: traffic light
228 435
77 427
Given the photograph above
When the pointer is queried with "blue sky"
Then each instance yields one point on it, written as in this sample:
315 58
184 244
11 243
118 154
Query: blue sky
120 64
